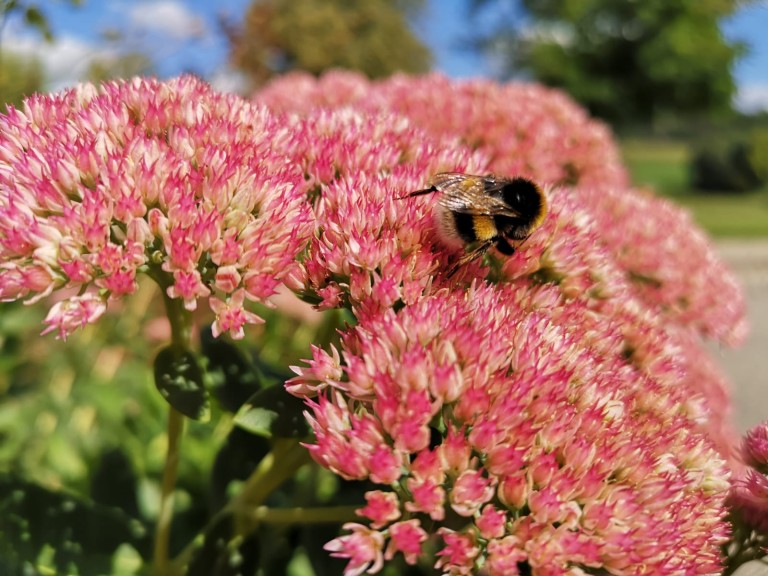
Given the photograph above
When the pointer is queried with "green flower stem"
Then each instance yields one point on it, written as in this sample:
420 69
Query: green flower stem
170 472
287 456
246 509
181 340
321 515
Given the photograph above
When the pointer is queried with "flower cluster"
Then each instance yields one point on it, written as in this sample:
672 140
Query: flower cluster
630 256
171 179
669 261
498 417
540 133
571 251
522 128
565 418
372 246
552 412
749 494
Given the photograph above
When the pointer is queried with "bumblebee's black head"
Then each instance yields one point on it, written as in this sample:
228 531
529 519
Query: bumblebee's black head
526 197
529 201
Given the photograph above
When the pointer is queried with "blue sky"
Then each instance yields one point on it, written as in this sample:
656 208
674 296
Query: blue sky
183 35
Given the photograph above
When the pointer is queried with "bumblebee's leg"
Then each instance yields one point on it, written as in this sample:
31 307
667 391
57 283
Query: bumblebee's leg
503 246
469 257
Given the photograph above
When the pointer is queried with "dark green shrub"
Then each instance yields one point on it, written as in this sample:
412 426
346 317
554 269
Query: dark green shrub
758 153
725 169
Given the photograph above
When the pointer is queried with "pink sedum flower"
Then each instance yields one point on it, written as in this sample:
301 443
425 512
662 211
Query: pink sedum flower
750 497
382 508
231 316
599 460
755 447
574 396
521 127
370 249
459 553
491 522
540 133
169 178
633 259
670 263
406 538
363 547
67 315
749 493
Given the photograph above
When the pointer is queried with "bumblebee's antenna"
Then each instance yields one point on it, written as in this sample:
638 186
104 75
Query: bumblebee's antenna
429 190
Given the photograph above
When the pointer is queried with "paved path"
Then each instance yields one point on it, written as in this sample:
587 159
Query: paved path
747 366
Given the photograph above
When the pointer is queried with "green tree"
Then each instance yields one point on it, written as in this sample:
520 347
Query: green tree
626 60
119 66
314 35
31 13
20 76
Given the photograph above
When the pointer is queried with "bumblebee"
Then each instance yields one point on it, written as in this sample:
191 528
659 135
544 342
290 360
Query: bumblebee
481 212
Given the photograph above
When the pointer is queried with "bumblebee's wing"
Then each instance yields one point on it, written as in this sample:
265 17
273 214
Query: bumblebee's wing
472 194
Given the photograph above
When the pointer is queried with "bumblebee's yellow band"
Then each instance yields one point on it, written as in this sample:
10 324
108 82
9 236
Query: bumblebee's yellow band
484 228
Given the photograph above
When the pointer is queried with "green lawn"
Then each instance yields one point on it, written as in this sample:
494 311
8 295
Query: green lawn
663 165
728 214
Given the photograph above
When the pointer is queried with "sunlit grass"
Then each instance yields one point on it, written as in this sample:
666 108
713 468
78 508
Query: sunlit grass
729 214
663 166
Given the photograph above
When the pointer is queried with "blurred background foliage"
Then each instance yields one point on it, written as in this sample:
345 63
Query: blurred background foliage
374 37
628 62
83 418
20 76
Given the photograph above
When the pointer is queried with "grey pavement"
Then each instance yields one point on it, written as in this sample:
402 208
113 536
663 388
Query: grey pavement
747 366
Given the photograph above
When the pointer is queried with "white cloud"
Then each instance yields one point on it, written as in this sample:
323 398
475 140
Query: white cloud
228 80
65 61
166 17
752 97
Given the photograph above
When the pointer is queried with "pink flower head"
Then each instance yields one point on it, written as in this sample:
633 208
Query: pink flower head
750 497
599 460
569 412
166 178
522 128
629 255
755 447
671 264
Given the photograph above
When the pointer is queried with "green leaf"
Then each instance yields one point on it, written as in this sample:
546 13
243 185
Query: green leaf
50 529
114 482
37 19
179 379
274 413
235 378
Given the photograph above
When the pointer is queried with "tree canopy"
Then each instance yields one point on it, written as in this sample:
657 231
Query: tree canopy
20 76
626 60
314 35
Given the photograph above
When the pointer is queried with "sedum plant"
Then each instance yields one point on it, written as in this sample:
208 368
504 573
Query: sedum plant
551 412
